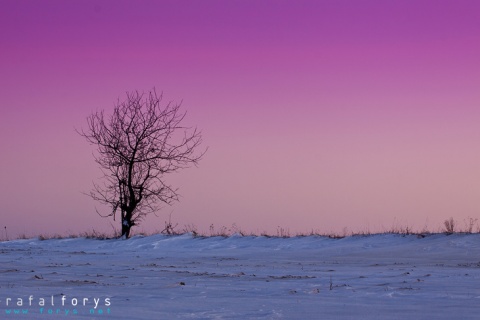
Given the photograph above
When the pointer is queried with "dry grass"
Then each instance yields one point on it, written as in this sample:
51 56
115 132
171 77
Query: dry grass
450 226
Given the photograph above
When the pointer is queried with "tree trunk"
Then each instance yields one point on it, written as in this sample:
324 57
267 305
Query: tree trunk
126 226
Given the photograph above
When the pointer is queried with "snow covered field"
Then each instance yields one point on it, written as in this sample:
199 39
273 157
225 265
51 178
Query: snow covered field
181 277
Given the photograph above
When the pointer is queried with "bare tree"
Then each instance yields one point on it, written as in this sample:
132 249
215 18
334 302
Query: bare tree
137 146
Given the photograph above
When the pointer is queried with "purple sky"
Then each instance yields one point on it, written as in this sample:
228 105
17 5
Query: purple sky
318 114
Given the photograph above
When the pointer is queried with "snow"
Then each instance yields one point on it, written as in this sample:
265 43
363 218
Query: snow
183 277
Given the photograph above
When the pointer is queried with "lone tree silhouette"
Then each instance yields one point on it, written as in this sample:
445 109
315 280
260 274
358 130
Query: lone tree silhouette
137 145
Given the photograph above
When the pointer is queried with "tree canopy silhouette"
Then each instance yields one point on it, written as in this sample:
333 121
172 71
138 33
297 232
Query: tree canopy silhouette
137 145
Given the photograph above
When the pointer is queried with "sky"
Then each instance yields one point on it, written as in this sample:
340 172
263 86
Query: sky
318 115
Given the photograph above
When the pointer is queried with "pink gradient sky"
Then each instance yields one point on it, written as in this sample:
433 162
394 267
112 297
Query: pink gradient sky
318 114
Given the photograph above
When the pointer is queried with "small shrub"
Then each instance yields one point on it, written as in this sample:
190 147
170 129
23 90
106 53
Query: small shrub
449 225
222 232
469 224
190 228
170 227
283 233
